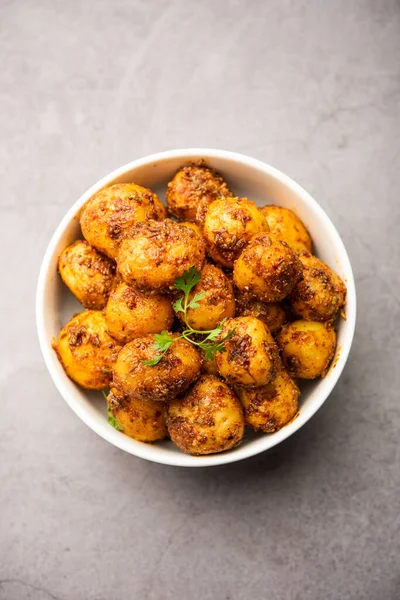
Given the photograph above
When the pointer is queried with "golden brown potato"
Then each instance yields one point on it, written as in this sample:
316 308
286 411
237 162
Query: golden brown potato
287 227
87 351
131 314
88 274
251 357
307 348
209 367
142 420
111 212
192 189
163 381
157 252
272 406
320 294
273 315
208 419
229 225
217 303
267 269
194 226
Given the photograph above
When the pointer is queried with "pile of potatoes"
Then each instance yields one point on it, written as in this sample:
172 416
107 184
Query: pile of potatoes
258 276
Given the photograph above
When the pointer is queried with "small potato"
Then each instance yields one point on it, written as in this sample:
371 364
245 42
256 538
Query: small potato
267 269
273 315
287 227
171 376
251 357
192 189
142 420
320 294
217 303
307 348
88 274
111 212
229 225
209 367
208 419
87 351
156 253
272 406
194 226
131 314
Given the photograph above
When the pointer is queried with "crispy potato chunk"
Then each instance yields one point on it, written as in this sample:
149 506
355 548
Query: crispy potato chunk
307 348
229 225
111 212
272 406
287 227
163 381
273 314
267 269
87 351
208 419
142 420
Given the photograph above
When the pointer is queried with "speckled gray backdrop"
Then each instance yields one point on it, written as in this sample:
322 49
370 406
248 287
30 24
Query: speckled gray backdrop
310 87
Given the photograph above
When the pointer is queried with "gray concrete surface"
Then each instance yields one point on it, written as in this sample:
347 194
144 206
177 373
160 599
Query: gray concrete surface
314 89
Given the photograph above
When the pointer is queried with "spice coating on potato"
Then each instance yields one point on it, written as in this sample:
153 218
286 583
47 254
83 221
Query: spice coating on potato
131 314
320 294
251 356
171 376
217 303
267 269
208 419
229 225
142 420
192 189
272 406
307 348
194 226
287 227
157 252
88 273
87 351
273 314
111 212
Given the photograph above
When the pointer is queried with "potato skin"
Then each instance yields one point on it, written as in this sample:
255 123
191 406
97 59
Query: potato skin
194 226
267 269
217 304
88 273
157 252
251 356
87 351
307 348
320 294
272 406
142 420
229 225
287 227
171 376
131 314
111 212
273 314
208 419
192 189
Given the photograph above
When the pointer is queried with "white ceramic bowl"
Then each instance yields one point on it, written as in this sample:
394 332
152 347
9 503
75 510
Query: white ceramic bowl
246 177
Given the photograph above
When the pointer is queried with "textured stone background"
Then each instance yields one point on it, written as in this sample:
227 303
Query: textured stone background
310 87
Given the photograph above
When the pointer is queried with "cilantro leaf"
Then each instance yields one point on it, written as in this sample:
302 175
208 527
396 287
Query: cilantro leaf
113 421
163 341
177 305
188 280
194 303
153 361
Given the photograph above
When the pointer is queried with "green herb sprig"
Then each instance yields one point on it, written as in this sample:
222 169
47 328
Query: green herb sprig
111 419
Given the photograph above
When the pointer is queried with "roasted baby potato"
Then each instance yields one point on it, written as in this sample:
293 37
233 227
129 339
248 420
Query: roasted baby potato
111 212
87 351
208 419
229 225
267 269
307 348
157 252
273 315
194 226
171 376
192 189
209 367
88 273
251 357
270 407
320 294
217 303
131 314
142 420
287 227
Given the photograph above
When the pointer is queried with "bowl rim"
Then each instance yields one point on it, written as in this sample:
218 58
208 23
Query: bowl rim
180 459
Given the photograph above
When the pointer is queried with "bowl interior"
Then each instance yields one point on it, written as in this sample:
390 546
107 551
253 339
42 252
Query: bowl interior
246 177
